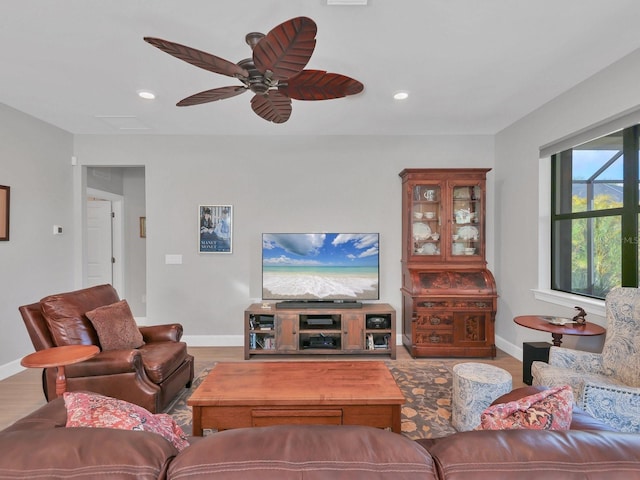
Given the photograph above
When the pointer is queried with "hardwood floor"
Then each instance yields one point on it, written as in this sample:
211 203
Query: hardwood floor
20 394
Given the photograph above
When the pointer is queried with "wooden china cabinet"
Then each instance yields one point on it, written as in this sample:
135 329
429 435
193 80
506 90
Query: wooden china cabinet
449 295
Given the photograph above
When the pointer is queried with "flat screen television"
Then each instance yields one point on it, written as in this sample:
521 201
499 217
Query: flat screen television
320 266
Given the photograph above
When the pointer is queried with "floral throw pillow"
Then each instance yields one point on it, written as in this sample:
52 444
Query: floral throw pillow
550 409
86 409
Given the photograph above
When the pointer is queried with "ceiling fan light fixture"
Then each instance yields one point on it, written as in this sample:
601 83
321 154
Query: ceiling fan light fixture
402 95
275 73
146 94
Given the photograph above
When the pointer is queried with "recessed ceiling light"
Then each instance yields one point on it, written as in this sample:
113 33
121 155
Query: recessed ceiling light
401 95
146 94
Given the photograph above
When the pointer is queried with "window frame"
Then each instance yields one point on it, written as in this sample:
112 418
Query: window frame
629 214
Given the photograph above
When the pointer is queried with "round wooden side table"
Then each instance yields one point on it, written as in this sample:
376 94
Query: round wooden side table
543 323
59 357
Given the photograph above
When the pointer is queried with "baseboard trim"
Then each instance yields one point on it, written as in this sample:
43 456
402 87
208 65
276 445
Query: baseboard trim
9 369
214 340
509 348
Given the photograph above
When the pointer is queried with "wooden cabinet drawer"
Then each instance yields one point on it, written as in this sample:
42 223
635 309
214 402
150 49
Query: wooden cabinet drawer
454 304
434 320
474 304
434 337
262 417
432 303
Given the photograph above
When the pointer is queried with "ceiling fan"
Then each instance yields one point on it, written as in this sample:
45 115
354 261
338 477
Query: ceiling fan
275 73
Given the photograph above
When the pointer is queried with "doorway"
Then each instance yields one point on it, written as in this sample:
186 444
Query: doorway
114 242
105 259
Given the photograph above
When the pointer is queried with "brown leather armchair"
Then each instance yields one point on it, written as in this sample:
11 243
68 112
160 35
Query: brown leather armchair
150 376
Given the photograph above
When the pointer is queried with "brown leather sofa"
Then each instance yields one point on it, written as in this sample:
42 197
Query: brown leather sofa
150 376
38 446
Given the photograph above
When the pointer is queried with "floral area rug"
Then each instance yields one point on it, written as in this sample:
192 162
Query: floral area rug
426 386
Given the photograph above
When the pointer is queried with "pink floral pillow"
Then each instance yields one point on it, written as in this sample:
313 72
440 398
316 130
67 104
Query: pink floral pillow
550 409
86 409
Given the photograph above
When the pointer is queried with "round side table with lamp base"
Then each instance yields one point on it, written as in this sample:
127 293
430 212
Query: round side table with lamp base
558 326
58 357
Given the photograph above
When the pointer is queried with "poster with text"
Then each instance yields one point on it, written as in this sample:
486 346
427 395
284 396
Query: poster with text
215 228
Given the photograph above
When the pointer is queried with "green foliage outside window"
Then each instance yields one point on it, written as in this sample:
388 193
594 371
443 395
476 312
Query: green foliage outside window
605 247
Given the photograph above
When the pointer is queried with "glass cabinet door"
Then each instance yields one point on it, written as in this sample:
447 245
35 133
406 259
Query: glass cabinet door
426 216
466 227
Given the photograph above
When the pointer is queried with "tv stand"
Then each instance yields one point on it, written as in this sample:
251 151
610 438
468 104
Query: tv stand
323 304
325 328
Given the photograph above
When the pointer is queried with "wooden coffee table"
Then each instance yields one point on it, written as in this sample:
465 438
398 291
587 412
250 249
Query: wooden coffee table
249 394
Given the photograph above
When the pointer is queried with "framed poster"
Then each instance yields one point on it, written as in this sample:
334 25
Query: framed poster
4 212
215 228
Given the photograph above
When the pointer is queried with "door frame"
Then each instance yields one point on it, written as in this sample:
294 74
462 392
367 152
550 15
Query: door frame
117 235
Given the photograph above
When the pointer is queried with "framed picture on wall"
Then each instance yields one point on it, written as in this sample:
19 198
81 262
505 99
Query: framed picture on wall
4 212
215 229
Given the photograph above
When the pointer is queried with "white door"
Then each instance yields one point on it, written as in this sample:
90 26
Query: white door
99 241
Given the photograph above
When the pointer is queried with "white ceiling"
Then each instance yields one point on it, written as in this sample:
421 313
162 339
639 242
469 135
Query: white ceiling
470 66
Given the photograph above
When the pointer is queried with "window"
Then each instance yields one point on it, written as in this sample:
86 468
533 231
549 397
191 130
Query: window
595 215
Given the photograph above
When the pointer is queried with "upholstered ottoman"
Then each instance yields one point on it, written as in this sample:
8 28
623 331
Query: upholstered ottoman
475 386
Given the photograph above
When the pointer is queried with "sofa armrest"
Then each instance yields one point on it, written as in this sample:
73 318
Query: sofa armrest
49 415
108 362
84 453
576 360
171 332
535 454
615 405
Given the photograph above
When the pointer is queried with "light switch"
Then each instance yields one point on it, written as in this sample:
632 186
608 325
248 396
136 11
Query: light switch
57 230
173 259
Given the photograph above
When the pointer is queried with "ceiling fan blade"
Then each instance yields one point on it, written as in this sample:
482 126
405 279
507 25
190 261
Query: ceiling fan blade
287 48
198 58
320 85
274 107
211 95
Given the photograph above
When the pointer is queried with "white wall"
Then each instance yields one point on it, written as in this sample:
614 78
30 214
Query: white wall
135 255
279 183
35 161
603 96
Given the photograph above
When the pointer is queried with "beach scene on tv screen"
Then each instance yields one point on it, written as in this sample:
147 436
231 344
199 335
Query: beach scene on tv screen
320 266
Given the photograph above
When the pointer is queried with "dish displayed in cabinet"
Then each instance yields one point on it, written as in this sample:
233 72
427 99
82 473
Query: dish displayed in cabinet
463 215
458 248
421 231
468 233
429 249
